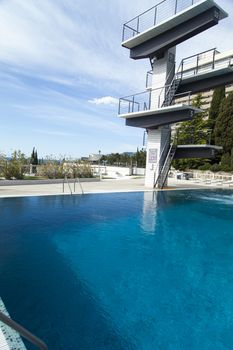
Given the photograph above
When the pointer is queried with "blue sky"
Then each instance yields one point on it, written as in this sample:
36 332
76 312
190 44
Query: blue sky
62 68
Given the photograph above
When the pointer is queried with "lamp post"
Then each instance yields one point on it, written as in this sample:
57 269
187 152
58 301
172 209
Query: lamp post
99 164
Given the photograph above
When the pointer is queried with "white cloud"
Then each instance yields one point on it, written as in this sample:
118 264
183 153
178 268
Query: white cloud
54 39
107 101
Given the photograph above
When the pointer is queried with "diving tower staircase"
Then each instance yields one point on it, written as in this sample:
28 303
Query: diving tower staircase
167 100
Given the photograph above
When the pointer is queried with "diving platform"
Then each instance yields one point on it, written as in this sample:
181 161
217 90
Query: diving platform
205 71
154 118
162 27
196 151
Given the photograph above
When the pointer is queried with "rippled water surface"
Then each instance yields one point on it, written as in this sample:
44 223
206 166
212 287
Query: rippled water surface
137 271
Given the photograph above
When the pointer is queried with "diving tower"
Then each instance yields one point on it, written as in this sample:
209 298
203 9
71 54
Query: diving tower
166 101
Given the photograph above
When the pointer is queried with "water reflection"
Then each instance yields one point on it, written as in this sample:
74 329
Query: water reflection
149 213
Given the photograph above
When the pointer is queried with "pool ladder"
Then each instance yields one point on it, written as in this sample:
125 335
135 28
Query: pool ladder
76 180
22 331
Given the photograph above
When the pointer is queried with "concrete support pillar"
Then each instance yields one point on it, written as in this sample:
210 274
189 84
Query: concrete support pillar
157 146
158 139
163 73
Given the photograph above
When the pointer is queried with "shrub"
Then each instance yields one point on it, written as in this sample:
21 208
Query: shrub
14 168
215 168
51 170
206 166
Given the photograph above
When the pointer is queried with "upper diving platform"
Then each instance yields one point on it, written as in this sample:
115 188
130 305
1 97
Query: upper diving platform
205 71
167 24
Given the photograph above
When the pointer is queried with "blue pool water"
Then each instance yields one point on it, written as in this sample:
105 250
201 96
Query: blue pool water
136 271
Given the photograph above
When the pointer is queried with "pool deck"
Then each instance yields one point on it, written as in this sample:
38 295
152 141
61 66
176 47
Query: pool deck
104 186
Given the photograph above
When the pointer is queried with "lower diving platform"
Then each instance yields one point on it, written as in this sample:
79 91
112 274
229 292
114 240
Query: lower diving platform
196 151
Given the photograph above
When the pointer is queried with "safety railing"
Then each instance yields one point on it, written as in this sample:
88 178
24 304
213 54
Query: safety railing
153 16
143 100
23 332
202 63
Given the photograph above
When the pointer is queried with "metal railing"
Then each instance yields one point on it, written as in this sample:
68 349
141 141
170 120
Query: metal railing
23 332
69 182
201 63
163 173
162 155
143 101
77 180
153 16
65 180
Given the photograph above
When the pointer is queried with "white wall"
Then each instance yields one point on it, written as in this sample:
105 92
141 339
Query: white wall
155 144
117 172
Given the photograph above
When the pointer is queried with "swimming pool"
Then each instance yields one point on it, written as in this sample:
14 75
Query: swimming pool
121 271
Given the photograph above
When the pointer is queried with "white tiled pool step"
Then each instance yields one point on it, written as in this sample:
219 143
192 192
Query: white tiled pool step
9 339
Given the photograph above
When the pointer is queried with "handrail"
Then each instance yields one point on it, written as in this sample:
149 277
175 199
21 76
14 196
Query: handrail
23 331
167 141
156 12
146 102
163 168
170 85
199 54
143 13
78 180
181 70
166 160
63 187
140 93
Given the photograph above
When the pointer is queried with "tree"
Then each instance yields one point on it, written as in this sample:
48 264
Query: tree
139 158
34 157
194 132
125 159
223 131
218 96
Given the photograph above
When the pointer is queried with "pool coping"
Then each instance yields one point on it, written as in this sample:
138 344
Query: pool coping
113 191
